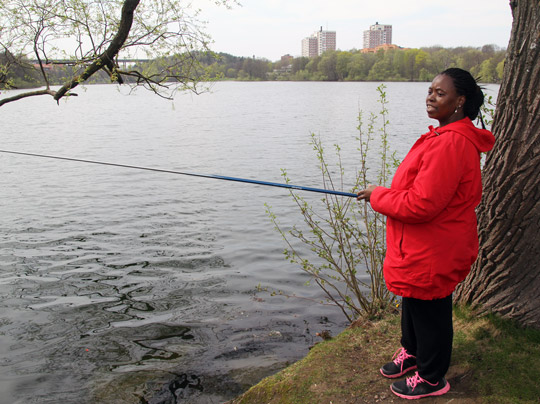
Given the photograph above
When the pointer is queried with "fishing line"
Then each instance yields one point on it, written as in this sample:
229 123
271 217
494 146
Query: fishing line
217 177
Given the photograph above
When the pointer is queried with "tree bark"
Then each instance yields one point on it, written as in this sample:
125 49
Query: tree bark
506 276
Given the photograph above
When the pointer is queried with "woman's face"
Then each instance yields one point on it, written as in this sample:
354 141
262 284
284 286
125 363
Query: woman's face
442 101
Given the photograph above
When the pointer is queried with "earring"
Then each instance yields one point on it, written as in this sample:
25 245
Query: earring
458 107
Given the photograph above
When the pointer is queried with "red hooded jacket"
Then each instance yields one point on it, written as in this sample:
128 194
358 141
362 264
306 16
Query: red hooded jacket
432 239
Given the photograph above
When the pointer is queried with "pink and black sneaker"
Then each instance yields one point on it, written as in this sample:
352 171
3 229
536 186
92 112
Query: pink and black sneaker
415 387
402 362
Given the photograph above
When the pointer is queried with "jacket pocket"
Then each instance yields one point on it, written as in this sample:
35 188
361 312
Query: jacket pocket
399 234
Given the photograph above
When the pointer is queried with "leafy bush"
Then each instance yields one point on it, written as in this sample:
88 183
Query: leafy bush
345 238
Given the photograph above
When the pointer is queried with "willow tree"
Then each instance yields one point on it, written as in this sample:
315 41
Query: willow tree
91 36
506 276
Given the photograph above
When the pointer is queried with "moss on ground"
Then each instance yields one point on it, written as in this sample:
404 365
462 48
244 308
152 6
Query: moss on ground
494 362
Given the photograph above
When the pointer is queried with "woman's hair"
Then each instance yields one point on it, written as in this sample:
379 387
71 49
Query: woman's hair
466 85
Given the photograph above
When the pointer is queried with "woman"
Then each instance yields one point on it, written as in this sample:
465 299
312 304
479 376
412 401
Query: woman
432 239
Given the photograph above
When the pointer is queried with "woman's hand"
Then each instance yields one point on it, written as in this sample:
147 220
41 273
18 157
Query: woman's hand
365 194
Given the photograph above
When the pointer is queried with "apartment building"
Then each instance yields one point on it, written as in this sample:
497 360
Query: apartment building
310 47
326 41
318 43
378 34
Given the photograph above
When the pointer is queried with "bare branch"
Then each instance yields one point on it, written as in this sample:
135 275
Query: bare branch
28 94
106 58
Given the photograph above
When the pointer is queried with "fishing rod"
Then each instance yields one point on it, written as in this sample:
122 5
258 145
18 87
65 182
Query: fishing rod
217 177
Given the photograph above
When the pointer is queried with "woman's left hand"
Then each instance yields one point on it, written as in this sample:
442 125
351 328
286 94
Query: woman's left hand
365 194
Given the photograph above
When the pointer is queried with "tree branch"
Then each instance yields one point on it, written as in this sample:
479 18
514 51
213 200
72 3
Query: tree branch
106 59
26 95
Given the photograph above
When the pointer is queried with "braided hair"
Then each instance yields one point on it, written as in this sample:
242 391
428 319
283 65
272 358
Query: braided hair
467 85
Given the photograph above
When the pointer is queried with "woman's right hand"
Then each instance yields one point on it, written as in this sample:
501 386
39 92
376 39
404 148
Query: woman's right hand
365 194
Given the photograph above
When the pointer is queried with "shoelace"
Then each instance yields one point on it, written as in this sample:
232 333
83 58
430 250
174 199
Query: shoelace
413 381
400 356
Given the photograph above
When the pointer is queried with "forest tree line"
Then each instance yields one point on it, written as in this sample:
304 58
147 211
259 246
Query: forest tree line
391 65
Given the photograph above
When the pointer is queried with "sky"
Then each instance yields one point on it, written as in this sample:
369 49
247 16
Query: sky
273 28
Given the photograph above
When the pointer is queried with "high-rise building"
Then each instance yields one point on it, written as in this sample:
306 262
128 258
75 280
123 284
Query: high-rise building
310 47
318 43
326 41
378 34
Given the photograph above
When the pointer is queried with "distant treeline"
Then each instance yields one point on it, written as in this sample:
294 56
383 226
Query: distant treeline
390 65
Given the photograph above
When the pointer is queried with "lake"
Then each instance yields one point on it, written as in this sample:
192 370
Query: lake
119 285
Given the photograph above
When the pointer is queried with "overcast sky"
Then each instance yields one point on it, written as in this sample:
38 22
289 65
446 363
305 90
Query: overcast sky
272 28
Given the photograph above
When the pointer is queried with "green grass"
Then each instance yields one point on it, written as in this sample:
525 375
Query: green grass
494 361
504 358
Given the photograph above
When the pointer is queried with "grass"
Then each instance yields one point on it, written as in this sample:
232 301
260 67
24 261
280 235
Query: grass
494 362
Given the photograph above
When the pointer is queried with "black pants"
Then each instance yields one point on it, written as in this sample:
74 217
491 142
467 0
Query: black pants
427 333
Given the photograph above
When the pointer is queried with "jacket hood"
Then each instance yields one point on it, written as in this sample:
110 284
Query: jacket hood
483 139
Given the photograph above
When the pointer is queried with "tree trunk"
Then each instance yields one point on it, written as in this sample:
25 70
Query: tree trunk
506 276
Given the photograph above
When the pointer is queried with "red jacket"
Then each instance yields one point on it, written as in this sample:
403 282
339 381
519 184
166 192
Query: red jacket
431 237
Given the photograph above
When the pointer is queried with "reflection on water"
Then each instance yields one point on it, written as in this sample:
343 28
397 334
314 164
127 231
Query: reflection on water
123 286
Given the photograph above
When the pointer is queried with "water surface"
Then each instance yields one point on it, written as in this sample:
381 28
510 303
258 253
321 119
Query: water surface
120 285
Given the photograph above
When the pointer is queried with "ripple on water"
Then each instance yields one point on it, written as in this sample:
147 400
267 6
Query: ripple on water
119 286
